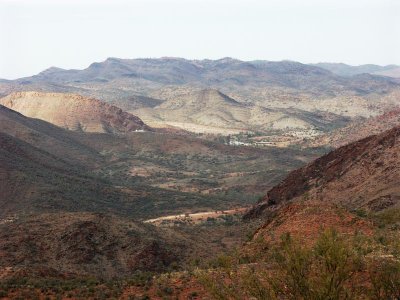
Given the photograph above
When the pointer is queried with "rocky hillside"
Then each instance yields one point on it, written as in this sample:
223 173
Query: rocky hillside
73 112
81 244
362 175
305 220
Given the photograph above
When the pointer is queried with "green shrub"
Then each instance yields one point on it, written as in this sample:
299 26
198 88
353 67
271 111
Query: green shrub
292 270
362 213
385 279
294 266
388 217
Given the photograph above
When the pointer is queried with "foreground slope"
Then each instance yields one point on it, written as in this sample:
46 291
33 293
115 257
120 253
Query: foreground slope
73 112
306 219
364 174
85 244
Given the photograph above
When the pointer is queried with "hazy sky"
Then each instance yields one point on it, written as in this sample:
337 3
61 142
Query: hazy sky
35 35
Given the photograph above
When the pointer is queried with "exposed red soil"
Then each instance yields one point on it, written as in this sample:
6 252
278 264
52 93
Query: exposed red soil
181 289
306 219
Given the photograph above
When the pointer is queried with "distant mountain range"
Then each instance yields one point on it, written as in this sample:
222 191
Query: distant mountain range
347 70
268 95
212 73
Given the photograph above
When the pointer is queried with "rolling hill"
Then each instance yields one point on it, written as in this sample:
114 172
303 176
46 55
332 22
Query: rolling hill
210 111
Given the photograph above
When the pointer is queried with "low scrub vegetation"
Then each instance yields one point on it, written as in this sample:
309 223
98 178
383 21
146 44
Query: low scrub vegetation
335 267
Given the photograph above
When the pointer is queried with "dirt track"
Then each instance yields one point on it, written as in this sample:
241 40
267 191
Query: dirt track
196 217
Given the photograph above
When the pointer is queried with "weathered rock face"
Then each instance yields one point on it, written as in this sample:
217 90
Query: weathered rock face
364 174
73 112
